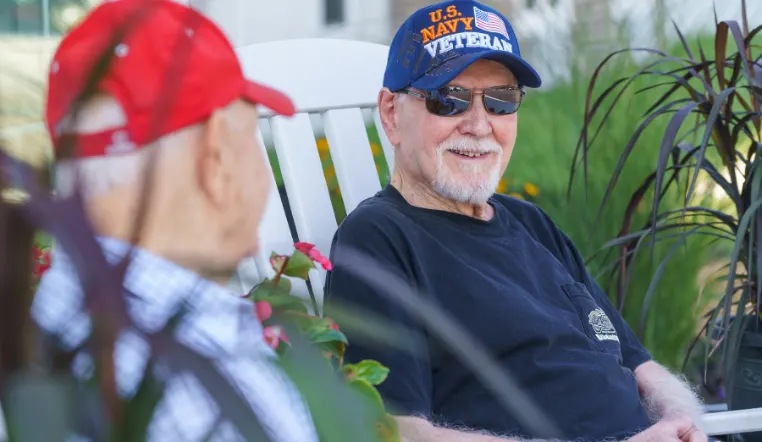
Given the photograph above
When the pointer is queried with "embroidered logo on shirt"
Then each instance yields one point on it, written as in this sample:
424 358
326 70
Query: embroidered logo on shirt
120 144
604 329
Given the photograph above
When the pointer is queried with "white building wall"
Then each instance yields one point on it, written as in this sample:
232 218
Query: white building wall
252 21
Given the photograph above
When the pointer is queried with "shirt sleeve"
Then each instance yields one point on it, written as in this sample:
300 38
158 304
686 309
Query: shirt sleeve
407 389
633 352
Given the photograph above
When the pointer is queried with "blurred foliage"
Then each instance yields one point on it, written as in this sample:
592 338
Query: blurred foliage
704 183
278 310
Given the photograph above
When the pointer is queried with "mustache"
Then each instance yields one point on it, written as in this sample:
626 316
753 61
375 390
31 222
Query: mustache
470 145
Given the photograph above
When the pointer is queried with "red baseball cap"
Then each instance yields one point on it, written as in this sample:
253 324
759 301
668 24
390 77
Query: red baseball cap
170 68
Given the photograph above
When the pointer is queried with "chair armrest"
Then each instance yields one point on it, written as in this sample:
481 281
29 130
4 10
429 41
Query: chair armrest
732 422
714 408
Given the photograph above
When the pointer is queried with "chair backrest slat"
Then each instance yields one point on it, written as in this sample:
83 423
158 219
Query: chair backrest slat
336 78
274 236
305 184
351 154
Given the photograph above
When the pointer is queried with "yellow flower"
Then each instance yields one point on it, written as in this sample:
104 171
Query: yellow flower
322 145
531 190
330 174
502 186
517 195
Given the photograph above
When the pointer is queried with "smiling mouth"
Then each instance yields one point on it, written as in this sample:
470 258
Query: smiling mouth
469 154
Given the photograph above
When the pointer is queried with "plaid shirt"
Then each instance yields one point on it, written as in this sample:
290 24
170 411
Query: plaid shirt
217 324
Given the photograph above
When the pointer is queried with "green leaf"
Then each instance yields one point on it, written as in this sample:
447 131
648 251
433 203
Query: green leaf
299 265
268 289
370 394
277 262
303 321
335 348
320 334
287 302
368 370
388 430
43 239
711 121
339 412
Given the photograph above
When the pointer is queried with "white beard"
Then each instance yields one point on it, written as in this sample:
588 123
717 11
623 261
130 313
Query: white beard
478 181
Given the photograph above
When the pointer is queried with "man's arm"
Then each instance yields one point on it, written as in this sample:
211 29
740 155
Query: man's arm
666 395
667 398
415 429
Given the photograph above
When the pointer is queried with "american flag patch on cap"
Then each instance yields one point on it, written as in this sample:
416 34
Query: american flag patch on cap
490 22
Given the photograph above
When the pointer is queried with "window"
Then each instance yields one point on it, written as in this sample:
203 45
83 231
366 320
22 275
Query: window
334 12
41 17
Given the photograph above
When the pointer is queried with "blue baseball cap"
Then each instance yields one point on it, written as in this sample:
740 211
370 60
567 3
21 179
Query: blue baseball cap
438 42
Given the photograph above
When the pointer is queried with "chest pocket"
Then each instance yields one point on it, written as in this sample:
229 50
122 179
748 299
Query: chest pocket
595 322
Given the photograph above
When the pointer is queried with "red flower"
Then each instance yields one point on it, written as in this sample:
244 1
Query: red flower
314 254
263 310
41 260
273 335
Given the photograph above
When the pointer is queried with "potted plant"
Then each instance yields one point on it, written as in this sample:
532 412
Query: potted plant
709 158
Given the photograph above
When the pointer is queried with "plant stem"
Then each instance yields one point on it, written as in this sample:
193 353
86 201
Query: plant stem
279 274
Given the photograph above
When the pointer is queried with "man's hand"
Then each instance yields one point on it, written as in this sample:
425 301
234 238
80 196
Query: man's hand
677 429
694 434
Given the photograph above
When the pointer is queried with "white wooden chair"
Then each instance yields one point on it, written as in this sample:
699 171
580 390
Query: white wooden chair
336 79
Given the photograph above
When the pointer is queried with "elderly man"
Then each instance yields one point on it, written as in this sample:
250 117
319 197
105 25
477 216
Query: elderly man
173 94
453 85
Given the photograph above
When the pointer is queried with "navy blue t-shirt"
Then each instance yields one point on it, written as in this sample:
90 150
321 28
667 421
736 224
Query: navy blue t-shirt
519 286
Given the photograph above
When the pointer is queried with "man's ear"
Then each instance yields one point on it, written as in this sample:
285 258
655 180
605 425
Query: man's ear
215 160
388 110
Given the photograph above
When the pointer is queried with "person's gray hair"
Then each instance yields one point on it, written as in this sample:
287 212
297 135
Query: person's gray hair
98 175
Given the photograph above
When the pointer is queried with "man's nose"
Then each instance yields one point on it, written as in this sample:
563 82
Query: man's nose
475 121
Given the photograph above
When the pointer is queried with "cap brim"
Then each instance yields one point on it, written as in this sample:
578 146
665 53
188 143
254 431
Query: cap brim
275 100
443 74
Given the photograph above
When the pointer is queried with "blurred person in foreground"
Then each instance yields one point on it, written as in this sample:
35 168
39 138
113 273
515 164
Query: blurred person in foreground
499 265
173 94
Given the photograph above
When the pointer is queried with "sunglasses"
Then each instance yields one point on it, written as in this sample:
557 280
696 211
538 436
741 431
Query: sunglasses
450 101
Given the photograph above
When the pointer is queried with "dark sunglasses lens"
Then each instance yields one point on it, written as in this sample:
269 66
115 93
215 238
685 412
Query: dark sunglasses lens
502 101
447 104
